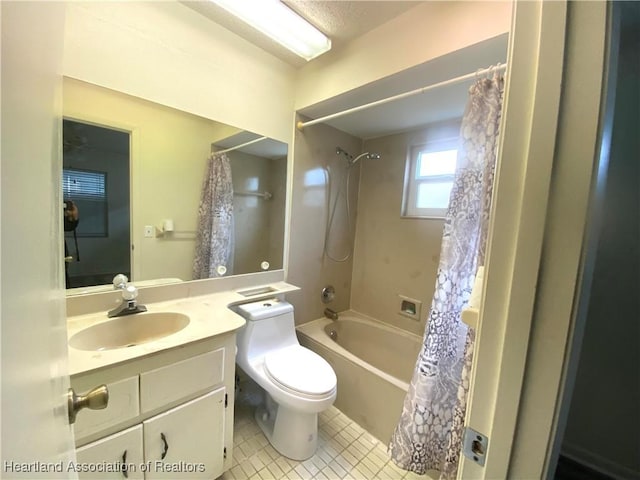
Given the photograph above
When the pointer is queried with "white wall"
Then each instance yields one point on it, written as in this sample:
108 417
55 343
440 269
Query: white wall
169 151
277 209
258 222
309 268
174 56
394 255
429 30
169 54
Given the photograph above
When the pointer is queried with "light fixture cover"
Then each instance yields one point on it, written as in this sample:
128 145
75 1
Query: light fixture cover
279 22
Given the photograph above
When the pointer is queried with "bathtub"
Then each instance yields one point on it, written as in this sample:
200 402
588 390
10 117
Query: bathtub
373 362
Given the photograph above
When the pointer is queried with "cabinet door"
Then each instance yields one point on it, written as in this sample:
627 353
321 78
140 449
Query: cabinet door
187 441
116 456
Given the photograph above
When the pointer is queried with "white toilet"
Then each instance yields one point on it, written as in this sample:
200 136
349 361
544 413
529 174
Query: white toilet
298 382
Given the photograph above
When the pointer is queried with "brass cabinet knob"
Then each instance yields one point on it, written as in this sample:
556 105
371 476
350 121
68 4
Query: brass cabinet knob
96 399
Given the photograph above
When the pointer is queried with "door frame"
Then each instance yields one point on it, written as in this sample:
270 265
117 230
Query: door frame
98 122
549 151
575 220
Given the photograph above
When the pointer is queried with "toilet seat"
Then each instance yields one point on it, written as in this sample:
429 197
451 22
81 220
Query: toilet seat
299 369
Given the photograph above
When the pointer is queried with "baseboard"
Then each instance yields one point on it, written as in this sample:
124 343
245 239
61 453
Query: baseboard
598 463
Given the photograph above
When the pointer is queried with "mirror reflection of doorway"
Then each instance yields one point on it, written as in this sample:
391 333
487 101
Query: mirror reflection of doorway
95 179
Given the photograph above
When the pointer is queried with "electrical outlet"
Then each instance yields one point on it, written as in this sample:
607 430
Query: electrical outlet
148 231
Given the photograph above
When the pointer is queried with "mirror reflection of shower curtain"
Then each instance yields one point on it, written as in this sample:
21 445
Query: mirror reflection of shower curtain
429 433
214 238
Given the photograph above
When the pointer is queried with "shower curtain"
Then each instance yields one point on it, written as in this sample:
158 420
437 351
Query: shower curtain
429 433
215 238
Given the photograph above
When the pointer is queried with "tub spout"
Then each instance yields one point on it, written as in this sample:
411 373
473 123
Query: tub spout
331 314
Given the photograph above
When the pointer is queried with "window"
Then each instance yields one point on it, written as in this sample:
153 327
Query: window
429 179
87 189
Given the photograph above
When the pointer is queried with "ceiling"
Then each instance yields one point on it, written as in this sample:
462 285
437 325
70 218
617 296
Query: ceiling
80 137
343 21
436 105
266 148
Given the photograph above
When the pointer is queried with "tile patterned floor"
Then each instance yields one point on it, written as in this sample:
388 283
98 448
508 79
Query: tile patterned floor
345 451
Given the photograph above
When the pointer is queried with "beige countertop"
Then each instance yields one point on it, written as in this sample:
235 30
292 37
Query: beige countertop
209 316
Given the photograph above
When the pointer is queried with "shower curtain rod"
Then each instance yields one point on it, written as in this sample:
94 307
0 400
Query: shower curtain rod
242 145
452 81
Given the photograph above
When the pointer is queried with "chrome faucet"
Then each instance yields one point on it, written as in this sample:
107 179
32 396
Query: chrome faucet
330 314
129 304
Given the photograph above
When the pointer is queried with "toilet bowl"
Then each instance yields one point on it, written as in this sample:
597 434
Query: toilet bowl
298 383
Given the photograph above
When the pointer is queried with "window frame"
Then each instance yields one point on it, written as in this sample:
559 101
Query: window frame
413 182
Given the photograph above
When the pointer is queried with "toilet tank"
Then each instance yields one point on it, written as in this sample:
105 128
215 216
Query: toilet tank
270 326
264 309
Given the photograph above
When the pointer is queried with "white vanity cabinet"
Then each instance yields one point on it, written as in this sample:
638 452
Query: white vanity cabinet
178 452
170 415
116 456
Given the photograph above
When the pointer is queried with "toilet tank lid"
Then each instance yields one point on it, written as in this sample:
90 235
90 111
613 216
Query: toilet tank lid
269 308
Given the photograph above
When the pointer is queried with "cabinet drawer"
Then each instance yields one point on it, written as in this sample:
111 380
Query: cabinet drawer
179 380
124 403
116 456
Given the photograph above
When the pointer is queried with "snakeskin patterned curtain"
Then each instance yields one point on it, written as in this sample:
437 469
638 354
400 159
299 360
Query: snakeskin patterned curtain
429 433
215 239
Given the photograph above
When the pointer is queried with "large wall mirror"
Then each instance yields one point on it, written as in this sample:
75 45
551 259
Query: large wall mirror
134 171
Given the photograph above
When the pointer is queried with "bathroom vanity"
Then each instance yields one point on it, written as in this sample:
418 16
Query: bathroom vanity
170 409
169 414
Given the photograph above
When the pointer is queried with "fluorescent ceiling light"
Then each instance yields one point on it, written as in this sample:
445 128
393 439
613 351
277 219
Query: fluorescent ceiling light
276 20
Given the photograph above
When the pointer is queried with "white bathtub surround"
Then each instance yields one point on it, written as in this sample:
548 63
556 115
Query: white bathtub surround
345 450
214 240
429 434
373 362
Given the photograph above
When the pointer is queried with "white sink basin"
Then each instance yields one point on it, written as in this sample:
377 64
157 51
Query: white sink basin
129 331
